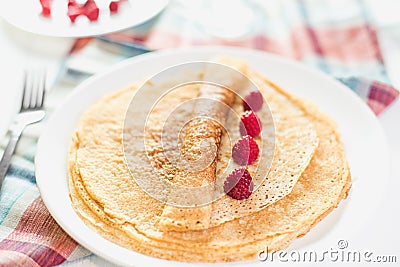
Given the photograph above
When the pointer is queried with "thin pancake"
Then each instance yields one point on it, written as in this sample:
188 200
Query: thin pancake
320 188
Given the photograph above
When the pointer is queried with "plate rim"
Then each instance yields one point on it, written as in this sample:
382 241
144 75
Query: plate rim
166 53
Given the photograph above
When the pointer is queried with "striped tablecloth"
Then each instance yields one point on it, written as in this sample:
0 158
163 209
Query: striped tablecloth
336 37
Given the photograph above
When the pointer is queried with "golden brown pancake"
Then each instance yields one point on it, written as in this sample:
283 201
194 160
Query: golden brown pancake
106 197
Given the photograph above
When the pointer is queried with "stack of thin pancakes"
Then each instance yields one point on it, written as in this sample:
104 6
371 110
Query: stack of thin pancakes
308 177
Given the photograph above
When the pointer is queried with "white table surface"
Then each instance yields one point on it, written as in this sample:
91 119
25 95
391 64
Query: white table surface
19 49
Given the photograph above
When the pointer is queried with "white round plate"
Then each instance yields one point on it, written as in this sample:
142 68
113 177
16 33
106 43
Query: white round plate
25 14
363 137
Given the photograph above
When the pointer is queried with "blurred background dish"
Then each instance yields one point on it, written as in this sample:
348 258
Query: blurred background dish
29 18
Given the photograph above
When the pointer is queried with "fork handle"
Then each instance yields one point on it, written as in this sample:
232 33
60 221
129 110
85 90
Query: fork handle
6 159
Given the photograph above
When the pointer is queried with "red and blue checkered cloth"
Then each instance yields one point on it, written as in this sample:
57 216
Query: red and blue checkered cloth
335 38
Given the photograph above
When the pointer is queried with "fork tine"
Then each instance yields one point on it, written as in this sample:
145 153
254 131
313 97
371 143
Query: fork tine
34 89
30 84
24 90
43 91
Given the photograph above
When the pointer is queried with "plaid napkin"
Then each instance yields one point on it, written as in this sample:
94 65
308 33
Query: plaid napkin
335 38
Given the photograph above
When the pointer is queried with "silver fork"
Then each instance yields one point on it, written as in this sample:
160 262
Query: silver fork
31 111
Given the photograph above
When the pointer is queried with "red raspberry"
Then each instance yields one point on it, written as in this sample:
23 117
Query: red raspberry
253 101
46 7
114 5
74 11
91 10
250 124
245 151
239 184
